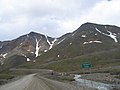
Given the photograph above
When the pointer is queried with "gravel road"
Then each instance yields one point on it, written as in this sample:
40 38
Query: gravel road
36 82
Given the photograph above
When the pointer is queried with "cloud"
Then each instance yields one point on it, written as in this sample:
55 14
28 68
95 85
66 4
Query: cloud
54 17
104 12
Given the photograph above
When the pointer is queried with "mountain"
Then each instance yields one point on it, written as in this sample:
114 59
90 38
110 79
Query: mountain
27 43
90 43
28 46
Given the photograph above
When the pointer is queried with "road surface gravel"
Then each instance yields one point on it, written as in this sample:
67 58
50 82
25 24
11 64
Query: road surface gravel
36 82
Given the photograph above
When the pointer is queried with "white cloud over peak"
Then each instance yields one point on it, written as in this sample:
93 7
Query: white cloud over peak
54 17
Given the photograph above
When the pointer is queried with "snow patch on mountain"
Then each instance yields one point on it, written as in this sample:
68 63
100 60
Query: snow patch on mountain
28 60
105 26
27 36
21 43
83 36
92 42
111 35
73 34
4 55
47 40
61 41
34 61
50 43
45 50
114 34
32 52
96 34
70 43
23 55
37 47
28 50
98 30
58 56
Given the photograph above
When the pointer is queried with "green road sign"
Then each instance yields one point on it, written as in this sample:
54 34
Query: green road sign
86 65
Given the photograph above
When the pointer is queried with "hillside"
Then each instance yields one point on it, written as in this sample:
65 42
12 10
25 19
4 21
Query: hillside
90 43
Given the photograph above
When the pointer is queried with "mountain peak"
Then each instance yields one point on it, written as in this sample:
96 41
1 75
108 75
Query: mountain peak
92 26
89 24
32 33
95 24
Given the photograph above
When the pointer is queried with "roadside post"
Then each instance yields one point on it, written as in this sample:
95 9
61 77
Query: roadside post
85 67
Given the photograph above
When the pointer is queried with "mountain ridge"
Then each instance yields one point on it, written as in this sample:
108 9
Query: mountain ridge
42 49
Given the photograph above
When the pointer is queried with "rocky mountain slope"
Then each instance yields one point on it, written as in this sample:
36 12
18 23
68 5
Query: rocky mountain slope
93 43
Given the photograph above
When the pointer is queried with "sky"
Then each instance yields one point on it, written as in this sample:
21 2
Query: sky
54 17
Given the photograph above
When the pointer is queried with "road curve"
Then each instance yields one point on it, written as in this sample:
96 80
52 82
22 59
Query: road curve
36 82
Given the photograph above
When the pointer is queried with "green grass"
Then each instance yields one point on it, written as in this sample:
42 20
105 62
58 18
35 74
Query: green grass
102 60
6 76
98 60
67 78
71 58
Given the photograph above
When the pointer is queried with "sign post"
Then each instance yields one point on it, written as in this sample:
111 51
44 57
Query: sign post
86 66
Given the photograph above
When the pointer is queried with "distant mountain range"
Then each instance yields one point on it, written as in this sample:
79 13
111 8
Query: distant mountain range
93 43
